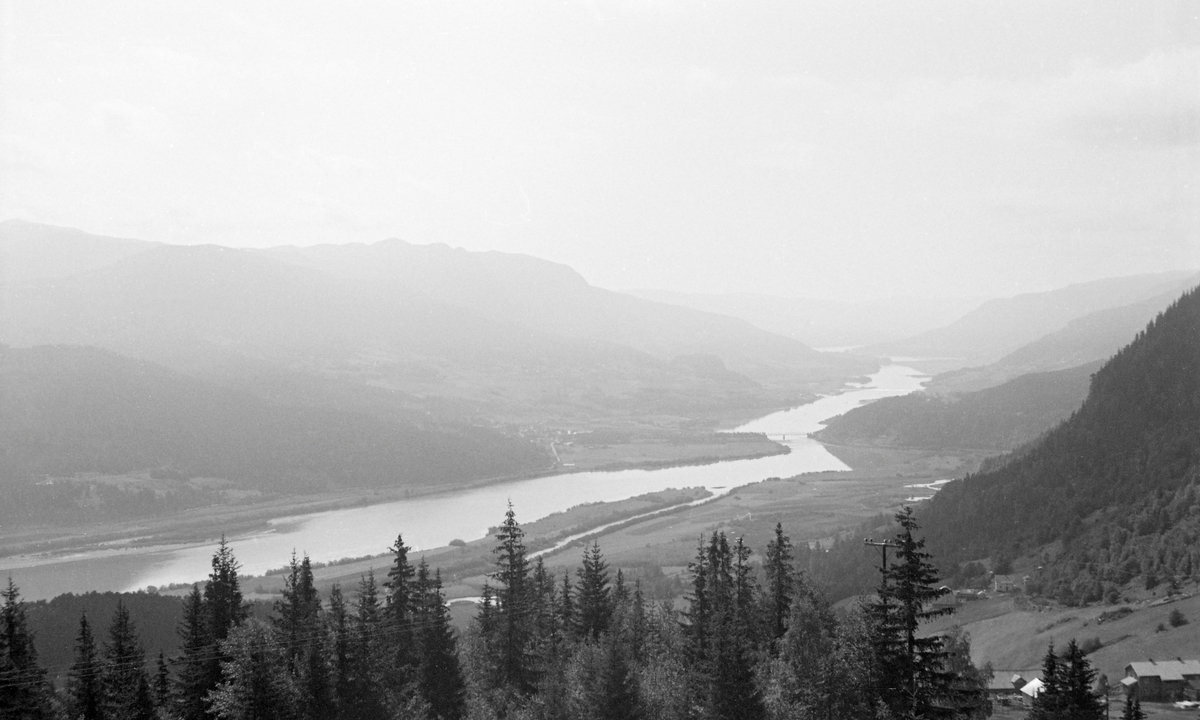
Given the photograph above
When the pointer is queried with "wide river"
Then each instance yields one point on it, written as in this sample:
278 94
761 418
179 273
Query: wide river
435 520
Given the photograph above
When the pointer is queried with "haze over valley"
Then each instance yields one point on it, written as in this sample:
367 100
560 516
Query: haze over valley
600 361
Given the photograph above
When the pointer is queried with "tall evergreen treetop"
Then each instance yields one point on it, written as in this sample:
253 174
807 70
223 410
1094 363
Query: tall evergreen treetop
780 581
85 693
127 694
24 693
913 666
223 594
595 606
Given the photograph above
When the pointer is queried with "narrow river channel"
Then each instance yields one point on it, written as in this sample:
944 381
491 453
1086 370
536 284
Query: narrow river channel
435 520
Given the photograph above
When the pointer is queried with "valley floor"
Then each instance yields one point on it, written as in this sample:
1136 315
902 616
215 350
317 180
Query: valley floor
43 544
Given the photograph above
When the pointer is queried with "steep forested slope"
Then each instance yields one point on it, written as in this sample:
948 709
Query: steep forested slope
1118 482
998 418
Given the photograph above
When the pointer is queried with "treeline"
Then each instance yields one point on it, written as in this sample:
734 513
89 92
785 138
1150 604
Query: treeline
1122 469
756 640
69 502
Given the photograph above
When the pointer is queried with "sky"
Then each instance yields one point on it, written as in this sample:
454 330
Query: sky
822 149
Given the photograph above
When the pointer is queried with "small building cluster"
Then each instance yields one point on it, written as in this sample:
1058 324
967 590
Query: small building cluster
1015 686
1163 680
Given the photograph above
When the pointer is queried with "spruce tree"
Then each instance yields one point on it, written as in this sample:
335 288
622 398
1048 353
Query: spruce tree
512 633
85 694
617 690
195 678
127 694
24 692
912 666
299 626
780 581
566 605
698 616
399 603
366 660
256 681
223 594
342 636
1079 679
595 605
224 609
1133 708
546 611
1049 703
439 675
620 591
162 683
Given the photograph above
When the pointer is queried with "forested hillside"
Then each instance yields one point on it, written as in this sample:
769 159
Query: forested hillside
1118 483
998 418
757 639
80 410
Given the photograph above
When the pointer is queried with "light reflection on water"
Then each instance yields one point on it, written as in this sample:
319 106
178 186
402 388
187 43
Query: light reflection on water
433 521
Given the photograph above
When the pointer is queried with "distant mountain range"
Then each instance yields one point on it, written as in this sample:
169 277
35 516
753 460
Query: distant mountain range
997 328
488 335
1116 486
825 323
1092 337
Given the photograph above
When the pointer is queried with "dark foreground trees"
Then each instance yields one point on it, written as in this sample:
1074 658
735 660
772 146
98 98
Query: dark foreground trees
586 647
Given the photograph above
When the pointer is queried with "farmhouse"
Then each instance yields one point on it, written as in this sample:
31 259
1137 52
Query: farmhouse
1163 680
1008 583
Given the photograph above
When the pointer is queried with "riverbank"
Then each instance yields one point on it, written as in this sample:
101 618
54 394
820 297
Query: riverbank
461 558
365 526
196 525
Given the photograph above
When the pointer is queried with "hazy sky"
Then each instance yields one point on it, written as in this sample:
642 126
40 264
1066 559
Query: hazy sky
795 148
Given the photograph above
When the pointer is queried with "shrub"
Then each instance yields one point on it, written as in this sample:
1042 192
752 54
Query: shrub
1091 645
458 542
1176 618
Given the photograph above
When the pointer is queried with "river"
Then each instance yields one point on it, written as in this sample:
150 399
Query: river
435 520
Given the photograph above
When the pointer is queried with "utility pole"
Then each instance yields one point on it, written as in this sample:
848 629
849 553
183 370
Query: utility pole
883 545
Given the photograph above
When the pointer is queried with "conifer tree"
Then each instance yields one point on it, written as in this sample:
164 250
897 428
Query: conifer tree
439 676
595 605
1049 703
127 694
698 616
223 594
224 610
194 679
24 692
340 647
512 627
1133 708
620 591
1079 679
566 604
546 612
617 696
162 682
366 661
85 693
780 581
256 682
912 666
399 604
299 625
